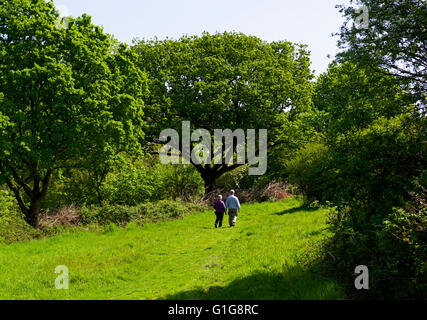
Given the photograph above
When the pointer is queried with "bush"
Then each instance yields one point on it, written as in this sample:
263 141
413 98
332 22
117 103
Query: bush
144 213
311 171
394 251
379 188
12 224
129 183
234 179
177 181
118 214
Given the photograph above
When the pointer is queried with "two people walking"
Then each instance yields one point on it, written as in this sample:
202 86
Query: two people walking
232 204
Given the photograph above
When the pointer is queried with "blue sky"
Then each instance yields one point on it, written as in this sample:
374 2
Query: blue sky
303 21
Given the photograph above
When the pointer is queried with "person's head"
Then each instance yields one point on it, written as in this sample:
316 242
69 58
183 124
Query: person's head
232 192
220 197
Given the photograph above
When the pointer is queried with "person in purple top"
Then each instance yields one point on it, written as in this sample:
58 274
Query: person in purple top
219 211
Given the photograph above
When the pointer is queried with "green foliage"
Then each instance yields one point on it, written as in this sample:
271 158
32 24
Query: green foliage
108 214
177 181
351 97
311 170
13 227
394 40
233 179
225 81
129 182
164 209
404 237
74 97
393 248
144 213
302 130
376 170
194 78
370 166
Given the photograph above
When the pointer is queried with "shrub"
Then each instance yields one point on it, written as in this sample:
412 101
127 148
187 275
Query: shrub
310 169
393 249
232 179
379 194
166 210
176 181
129 182
144 213
118 214
12 224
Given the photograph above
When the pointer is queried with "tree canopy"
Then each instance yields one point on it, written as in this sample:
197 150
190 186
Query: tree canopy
395 38
67 94
225 81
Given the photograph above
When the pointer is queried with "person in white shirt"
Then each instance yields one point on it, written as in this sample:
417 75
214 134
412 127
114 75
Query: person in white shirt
232 205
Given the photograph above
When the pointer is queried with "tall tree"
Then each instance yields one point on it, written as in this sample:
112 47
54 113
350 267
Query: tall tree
225 81
68 94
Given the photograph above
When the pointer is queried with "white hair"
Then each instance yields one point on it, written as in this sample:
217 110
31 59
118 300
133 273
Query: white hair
232 191
220 197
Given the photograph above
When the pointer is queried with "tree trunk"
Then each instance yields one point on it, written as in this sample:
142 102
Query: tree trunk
33 212
209 184
36 194
210 174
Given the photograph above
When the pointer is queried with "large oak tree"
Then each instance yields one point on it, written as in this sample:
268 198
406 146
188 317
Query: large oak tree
225 81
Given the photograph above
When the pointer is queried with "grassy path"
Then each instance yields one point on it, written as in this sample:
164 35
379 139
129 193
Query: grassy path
183 259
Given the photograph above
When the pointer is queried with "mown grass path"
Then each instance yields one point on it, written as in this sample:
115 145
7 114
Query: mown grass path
181 259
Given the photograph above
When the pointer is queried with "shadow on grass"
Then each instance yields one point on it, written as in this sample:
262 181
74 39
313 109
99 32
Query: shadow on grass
303 207
293 283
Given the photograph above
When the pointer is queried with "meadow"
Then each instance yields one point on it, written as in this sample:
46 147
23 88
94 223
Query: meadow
261 258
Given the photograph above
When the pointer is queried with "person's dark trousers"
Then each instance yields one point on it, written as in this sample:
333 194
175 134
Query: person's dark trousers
219 217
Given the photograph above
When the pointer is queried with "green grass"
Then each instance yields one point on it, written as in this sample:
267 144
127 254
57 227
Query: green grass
181 259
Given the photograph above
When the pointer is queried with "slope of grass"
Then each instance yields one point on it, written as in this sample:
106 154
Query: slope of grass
182 259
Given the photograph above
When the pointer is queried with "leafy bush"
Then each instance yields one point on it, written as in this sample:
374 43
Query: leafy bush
143 213
12 224
234 179
394 251
176 181
119 214
378 189
311 170
129 183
